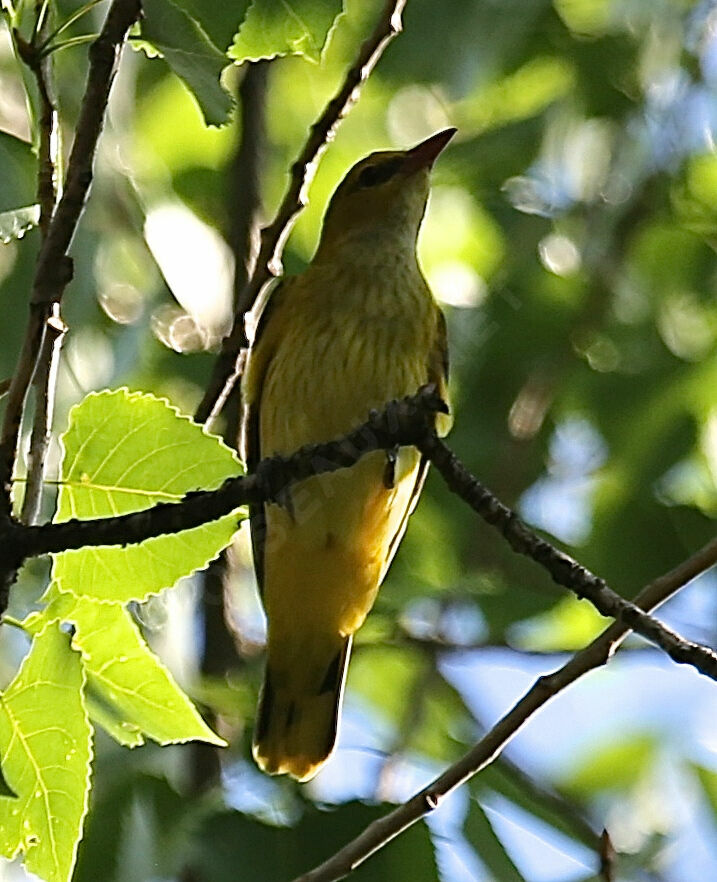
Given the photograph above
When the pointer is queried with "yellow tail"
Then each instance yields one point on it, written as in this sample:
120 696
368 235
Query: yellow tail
299 710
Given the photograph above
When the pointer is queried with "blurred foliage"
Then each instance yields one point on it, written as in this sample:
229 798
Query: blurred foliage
571 236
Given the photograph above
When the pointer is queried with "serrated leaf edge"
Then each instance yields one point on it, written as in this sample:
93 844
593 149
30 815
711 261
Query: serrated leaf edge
21 847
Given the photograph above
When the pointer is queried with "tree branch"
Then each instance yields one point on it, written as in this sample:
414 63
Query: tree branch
405 422
54 268
597 653
45 383
273 237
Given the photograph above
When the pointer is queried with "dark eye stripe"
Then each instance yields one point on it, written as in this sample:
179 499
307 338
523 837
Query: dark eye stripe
373 175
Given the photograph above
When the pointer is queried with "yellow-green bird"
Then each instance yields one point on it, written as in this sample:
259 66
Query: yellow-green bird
358 328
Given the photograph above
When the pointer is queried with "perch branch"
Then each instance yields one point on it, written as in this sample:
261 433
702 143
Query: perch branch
273 237
407 421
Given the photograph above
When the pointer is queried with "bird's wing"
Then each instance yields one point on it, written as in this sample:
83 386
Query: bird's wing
262 349
437 372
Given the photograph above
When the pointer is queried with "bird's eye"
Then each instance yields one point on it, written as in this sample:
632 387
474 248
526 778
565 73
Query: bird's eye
373 175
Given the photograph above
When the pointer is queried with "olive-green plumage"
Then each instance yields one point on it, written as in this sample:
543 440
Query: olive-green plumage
358 328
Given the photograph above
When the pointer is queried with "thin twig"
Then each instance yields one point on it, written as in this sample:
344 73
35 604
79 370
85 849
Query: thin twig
245 207
46 196
14 406
382 831
45 383
273 237
46 364
401 422
607 857
48 147
54 268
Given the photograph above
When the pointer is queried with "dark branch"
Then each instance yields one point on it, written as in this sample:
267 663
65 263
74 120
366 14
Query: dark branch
47 359
607 857
275 235
46 170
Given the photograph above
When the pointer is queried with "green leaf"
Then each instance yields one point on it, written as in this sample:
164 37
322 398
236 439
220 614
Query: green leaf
14 224
616 766
108 719
132 689
17 172
289 27
140 824
537 799
46 748
708 780
191 55
220 20
125 452
480 833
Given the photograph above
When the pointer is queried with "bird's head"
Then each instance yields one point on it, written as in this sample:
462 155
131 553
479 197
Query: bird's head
383 197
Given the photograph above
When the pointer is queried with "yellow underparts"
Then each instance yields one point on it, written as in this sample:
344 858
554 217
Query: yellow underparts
324 364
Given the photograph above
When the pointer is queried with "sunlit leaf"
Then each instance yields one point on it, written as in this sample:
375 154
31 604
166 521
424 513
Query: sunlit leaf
45 744
111 721
191 55
125 452
292 27
127 681
220 20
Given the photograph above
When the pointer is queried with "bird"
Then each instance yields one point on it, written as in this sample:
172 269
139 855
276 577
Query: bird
359 327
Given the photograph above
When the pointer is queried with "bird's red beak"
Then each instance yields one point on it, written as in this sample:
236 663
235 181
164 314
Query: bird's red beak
423 155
